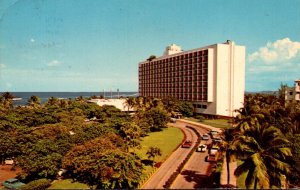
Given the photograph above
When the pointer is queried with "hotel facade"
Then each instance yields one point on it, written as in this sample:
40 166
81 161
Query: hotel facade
211 77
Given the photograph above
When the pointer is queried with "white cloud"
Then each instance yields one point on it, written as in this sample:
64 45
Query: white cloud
276 62
2 66
276 52
32 40
53 63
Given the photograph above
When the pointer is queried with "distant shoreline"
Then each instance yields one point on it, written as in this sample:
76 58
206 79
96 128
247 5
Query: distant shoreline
44 96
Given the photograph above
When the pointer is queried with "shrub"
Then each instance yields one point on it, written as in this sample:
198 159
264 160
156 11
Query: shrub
200 118
39 184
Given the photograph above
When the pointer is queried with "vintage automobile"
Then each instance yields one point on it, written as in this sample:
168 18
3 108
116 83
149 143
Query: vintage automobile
212 157
9 161
213 154
187 144
205 137
12 183
217 140
202 148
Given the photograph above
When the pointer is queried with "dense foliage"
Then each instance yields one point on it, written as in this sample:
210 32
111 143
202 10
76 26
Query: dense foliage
265 139
95 144
39 184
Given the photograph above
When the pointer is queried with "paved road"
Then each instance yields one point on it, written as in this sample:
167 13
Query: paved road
159 178
233 165
196 170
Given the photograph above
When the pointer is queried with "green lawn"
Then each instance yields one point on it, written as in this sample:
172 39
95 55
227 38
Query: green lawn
68 184
167 140
218 123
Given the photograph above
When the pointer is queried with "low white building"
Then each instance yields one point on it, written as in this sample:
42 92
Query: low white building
293 93
118 103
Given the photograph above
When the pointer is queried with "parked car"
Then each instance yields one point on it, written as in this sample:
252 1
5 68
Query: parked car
212 158
214 148
173 120
202 148
217 140
213 154
213 132
9 161
12 183
187 144
205 137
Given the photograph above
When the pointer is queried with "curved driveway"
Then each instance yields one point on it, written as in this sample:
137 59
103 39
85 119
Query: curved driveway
159 178
196 171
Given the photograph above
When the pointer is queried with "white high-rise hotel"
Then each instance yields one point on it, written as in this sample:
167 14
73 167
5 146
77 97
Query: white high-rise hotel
211 77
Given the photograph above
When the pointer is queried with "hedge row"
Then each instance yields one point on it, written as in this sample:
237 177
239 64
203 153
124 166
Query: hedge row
144 179
39 184
172 178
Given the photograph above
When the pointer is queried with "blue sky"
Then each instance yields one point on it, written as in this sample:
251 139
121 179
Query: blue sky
91 45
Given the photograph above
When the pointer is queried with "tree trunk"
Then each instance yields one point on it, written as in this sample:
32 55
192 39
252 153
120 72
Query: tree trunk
228 169
255 183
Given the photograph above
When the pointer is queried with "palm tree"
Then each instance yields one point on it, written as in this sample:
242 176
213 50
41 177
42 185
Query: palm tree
171 104
227 147
7 95
52 101
130 103
7 100
80 99
34 101
264 151
153 152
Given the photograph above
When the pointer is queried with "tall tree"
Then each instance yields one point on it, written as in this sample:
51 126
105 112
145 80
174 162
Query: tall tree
153 152
34 101
227 146
186 109
130 103
7 95
264 151
102 162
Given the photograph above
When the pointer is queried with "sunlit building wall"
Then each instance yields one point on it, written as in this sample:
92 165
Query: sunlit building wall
211 77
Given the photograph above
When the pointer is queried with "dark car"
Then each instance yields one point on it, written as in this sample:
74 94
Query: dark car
186 144
12 183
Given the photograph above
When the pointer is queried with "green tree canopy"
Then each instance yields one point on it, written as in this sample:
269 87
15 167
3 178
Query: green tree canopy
104 163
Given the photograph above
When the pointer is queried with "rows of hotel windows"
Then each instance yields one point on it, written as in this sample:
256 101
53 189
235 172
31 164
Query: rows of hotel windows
182 76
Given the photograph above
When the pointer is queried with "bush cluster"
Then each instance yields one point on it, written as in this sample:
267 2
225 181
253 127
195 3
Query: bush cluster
200 118
39 184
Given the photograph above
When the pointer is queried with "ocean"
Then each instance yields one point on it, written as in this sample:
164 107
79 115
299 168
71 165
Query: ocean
44 96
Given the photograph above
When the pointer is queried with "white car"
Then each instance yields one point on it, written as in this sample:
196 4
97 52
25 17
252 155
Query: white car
202 148
205 137
9 161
